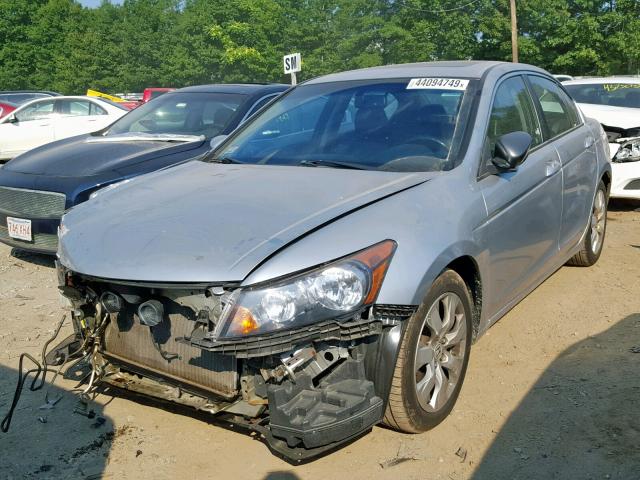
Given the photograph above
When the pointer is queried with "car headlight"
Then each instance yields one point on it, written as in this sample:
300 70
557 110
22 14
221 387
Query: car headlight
628 152
107 188
332 291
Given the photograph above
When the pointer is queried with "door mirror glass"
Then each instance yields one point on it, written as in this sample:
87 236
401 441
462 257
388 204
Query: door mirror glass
217 140
511 150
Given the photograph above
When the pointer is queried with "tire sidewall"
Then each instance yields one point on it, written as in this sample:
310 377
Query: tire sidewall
593 257
422 420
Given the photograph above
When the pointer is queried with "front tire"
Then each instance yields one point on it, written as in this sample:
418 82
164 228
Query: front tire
433 357
593 241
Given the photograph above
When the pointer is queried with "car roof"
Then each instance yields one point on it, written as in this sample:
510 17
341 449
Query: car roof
241 88
45 92
461 69
597 80
67 97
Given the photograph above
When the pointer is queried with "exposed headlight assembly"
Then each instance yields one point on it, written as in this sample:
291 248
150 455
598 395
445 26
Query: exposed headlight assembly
629 151
335 290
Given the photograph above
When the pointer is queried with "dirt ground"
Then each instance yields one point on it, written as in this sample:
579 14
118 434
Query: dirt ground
552 392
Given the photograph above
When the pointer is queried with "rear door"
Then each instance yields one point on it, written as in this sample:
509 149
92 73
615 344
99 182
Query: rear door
34 127
525 206
576 147
74 118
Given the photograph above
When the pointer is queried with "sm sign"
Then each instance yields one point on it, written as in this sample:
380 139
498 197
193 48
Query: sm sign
292 63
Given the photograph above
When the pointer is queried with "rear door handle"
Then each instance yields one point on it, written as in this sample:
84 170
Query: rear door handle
552 166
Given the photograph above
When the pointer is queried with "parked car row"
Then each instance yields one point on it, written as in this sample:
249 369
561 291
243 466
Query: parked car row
615 103
37 187
44 120
309 262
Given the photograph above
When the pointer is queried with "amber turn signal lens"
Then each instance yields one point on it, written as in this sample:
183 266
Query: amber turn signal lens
243 322
377 258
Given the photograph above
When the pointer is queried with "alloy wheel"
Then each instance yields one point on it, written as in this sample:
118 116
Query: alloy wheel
440 352
598 221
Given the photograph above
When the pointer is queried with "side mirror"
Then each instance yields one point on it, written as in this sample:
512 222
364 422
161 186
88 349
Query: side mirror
217 140
12 119
511 150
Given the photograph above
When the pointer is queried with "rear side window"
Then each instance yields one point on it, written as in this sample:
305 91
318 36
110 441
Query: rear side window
512 111
96 109
559 112
78 108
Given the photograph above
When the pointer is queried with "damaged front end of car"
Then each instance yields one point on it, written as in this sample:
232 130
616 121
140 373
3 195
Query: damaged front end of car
304 360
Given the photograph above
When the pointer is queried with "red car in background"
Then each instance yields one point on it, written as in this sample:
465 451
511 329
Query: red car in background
153 92
6 108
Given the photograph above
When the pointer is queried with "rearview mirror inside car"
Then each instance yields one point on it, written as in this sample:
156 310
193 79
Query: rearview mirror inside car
511 150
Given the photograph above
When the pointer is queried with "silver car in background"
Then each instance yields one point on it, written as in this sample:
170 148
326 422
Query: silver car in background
328 267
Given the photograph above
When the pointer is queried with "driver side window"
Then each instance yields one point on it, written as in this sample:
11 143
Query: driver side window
37 111
512 111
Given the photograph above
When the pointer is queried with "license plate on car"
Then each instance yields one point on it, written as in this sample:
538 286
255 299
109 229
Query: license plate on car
19 228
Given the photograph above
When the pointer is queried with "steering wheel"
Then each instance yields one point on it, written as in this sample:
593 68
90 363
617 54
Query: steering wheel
414 163
440 146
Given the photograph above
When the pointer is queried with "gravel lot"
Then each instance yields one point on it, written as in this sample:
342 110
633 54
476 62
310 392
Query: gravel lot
552 391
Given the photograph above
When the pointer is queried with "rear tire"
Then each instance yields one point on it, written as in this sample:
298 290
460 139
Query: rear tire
593 241
433 357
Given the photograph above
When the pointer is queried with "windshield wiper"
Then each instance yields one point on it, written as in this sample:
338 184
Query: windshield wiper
329 163
146 137
225 159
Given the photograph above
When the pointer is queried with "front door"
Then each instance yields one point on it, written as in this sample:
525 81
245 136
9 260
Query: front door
34 127
524 207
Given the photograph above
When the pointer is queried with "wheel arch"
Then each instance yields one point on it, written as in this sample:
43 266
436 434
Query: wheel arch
606 179
467 267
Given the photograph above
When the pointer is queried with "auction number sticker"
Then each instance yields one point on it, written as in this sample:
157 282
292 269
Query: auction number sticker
438 83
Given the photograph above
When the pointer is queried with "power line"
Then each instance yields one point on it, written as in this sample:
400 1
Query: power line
443 10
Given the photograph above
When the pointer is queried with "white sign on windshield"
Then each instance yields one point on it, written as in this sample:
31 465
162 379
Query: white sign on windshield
438 83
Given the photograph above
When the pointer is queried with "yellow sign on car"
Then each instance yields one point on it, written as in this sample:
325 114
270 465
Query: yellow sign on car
113 98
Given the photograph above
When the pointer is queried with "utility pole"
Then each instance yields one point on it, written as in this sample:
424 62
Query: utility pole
514 32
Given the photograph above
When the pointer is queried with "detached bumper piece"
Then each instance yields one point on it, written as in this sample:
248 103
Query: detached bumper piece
342 404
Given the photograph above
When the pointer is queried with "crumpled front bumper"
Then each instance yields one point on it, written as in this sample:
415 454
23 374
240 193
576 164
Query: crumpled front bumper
306 391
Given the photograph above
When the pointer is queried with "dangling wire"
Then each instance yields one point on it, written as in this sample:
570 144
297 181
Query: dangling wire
38 380
42 368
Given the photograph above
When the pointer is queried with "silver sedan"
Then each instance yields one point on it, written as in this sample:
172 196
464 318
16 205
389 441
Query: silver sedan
329 265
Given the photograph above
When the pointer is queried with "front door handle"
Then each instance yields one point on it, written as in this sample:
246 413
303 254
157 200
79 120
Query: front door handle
552 166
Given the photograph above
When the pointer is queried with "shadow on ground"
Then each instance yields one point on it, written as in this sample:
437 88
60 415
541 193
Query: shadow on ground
581 419
51 443
623 205
35 258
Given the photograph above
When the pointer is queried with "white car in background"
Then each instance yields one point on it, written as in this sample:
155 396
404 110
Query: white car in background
53 118
615 103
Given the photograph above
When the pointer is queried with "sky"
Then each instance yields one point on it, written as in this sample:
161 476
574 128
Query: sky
96 3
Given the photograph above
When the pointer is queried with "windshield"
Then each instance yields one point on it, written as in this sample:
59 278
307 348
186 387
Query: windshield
393 125
20 98
194 113
614 94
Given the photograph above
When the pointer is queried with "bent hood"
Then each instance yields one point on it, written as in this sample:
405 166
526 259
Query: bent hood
205 222
611 116
86 155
